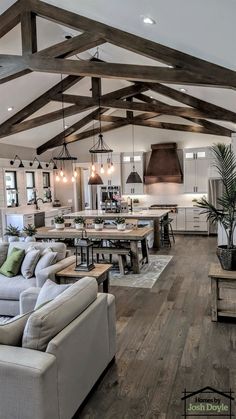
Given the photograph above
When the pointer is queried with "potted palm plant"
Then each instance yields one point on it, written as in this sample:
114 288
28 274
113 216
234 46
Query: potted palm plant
224 212
79 223
12 233
98 223
120 223
30 231
59 222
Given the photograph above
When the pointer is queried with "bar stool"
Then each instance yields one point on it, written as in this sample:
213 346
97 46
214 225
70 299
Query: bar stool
167 232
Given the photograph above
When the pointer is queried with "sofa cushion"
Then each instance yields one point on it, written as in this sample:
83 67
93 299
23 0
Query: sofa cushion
10 288
3 252
12 264
45 323
60 248
29 263
49 291
45 261
11 332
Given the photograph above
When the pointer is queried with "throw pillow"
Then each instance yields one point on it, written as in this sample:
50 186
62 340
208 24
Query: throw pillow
11 332
12 264
3 252
49 291
45 261
29 263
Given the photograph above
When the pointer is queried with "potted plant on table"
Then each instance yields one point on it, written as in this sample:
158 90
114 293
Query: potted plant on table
12 233
98 223
79 223
224 212
120 223
30 231
59 222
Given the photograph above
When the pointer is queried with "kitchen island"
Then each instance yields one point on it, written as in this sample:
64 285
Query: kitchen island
153 215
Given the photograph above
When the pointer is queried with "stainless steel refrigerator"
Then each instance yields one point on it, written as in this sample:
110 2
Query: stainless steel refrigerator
215 190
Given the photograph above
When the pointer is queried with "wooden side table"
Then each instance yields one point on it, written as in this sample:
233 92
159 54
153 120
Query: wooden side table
221 279
100 272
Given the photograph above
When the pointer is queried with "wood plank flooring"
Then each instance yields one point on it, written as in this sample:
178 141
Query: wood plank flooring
166 341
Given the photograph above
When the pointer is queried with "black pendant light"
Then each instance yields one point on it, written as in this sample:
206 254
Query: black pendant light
133 177
95 178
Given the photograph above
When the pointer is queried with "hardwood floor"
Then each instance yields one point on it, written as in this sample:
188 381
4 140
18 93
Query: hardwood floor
166 341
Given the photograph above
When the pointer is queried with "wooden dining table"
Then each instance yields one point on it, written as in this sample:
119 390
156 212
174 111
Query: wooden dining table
132 236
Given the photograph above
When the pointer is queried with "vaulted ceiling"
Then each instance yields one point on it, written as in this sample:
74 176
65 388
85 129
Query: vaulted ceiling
202 30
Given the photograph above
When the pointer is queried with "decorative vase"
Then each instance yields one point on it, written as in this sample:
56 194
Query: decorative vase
59 226
79 226
13 239
121 227
30 239
98 227
227 257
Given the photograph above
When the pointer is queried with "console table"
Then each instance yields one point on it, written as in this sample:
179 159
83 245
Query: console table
221 279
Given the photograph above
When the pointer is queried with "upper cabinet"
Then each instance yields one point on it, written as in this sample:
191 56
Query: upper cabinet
196 166
127 162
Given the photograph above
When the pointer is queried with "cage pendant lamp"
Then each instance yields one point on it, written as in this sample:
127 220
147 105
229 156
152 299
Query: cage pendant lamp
95 178
133 177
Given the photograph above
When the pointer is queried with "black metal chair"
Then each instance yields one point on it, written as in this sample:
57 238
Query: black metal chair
166 232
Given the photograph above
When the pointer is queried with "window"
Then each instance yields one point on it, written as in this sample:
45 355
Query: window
11 189
46 179
30 186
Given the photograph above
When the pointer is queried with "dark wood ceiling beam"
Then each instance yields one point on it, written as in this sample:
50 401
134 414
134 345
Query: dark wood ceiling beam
213 127
174 127
60 138
115 71
75 45
12 71
96 88
216 112
11 17
134 43
28 32
37 104
91 132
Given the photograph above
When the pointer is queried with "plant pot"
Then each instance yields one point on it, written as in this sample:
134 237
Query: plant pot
13 239
98 227
79 226
227 258
29 239
59 226
121 227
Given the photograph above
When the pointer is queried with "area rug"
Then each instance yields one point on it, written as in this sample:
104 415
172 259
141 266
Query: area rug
150 273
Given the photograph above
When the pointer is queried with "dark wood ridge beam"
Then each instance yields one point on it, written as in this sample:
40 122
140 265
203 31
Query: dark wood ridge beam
45 119
175 127
134 43
217 129
73 46
216 112
11 17
28 32
153 106
37 104
91 132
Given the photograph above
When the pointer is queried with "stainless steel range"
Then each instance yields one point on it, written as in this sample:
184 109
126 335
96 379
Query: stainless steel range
171 207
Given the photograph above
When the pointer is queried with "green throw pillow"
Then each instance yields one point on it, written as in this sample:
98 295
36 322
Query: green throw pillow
12 264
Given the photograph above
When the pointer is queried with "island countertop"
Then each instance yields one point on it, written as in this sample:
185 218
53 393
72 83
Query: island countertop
140 215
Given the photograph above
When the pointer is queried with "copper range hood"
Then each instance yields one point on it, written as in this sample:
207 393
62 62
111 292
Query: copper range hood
164 165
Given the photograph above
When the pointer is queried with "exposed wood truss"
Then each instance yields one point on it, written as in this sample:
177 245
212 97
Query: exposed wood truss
186 69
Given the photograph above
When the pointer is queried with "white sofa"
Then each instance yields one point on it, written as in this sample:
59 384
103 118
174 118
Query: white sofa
54 383
11 288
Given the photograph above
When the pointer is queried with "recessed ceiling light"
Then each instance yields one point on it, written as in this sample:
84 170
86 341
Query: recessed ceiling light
170 66
148 20
183 90
10 108
66 126
151 97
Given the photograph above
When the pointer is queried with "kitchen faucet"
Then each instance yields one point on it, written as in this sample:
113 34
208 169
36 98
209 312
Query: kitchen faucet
36 203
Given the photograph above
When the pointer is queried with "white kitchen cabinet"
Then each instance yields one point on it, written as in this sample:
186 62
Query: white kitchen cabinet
196 167
178 223
195 221
126 168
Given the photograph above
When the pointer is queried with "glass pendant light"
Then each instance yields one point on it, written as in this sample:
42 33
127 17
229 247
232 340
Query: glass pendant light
133 177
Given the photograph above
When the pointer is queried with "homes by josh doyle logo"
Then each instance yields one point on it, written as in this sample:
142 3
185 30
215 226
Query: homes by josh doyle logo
209 403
